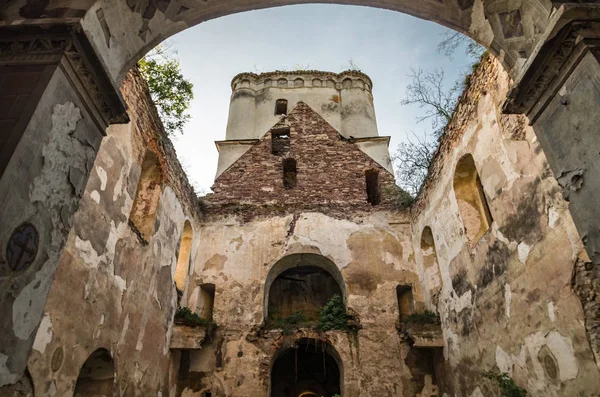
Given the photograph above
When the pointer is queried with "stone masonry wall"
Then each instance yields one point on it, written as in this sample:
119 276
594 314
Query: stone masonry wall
330 174
507 301
111 290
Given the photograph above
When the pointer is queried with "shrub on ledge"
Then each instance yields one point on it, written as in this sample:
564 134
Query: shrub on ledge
427 317
184 316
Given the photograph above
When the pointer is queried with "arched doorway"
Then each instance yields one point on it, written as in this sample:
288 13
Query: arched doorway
301 283
97 376
309 368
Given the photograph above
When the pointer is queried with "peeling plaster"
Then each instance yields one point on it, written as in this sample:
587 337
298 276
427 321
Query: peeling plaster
523 252
507 299
44 335
551 313
95 196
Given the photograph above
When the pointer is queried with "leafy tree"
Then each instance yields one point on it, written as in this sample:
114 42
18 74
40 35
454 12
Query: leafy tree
170 91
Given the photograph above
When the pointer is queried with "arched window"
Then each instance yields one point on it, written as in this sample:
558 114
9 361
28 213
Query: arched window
97 376
301 283
430 263
373 188
281 107
183 258
298 82
289 173
147 195
471 200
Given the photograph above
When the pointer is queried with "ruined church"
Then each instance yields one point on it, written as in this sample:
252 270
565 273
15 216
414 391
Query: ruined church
306 271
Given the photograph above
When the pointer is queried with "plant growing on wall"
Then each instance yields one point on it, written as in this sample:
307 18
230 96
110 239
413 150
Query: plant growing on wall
427 317
170 91
184 316
333 316
507 385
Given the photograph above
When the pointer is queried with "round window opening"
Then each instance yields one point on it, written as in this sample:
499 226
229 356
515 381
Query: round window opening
22 247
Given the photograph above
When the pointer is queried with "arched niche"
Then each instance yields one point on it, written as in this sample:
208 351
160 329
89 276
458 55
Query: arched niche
183 258
308 368
147 195
301 282
97 376
430 263
471 200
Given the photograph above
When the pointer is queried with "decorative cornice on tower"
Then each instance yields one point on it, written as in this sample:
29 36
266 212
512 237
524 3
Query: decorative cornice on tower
302 78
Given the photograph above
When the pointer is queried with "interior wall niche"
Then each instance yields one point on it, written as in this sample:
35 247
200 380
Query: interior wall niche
430 263
183 257
406 303
303 289
289 173
280 141
97 376
310 368
373 188
145 203
301 282
472 204
206 301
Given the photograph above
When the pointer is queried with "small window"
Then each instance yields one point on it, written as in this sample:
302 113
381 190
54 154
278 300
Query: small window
281 107
289 173
207 394
405 301
280 141
373 189
206 301
471 200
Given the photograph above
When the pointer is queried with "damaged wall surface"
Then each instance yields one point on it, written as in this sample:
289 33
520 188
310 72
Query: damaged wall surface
508 297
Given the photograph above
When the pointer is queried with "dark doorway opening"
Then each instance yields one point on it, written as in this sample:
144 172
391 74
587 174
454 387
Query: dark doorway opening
306 369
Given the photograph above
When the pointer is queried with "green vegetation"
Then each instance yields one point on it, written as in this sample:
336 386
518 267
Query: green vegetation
287 324
427 317
333 316
170 91
508 387
184 316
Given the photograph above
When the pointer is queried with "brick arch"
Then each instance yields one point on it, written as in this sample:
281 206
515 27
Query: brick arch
122 31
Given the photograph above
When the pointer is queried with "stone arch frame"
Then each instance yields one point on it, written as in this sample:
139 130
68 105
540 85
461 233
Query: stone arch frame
471 200
183 266
329 349
101 363
295 260
509 30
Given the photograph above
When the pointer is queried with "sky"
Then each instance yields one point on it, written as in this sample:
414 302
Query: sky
383 44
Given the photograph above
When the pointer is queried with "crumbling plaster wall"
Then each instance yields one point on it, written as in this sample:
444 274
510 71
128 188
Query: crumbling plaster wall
507 301
373 254
111 289
41 185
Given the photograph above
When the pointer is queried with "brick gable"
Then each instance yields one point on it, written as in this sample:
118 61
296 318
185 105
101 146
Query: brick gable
330 169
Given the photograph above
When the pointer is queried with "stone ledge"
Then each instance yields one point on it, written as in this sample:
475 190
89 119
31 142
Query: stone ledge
186 337
425 335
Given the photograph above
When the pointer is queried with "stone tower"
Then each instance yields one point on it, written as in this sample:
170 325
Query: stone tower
259 101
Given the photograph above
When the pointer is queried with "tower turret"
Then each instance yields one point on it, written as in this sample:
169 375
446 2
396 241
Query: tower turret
259 101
